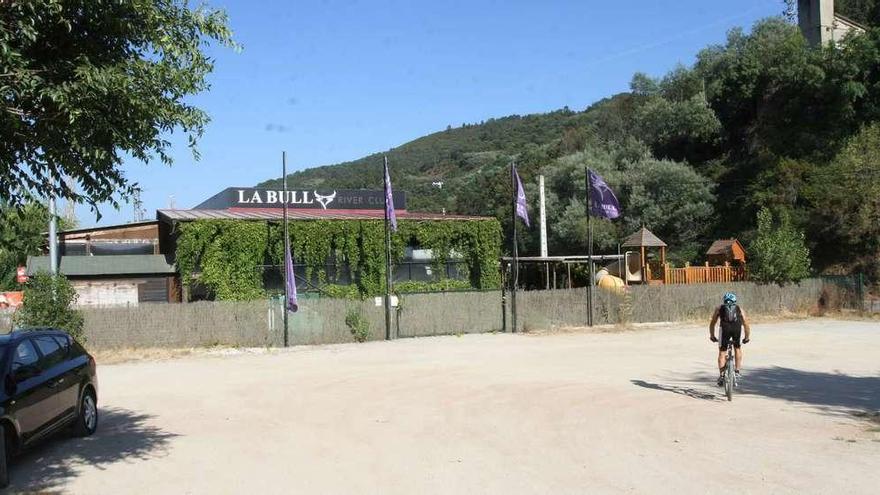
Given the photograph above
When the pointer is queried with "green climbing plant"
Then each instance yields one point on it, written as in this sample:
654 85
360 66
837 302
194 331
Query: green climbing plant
227 257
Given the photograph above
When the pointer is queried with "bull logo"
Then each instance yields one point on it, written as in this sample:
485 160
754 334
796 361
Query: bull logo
325 200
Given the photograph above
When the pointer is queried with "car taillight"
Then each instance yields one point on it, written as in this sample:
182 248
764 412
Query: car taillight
92 363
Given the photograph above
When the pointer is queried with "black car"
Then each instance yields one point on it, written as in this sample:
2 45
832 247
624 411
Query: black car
49 384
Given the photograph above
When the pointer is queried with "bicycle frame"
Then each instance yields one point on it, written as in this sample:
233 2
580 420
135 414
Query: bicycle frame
729 370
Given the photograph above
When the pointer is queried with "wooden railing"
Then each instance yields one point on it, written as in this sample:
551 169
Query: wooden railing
702 274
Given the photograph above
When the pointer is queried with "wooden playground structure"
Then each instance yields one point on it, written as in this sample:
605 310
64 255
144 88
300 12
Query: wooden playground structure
726 263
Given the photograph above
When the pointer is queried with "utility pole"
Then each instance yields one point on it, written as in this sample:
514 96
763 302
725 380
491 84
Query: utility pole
53 236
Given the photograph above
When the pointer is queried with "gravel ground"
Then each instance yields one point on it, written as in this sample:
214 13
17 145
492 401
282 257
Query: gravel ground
627 412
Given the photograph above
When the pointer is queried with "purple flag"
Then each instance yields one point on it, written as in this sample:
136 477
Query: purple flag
522 210
290 278
605 203
389 199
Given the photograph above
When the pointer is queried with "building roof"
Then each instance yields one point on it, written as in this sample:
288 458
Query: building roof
90 266
145 223
643 238
723 247
294 215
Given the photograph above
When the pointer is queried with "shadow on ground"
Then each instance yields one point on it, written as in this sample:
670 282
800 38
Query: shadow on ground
686 391
122 435
834 393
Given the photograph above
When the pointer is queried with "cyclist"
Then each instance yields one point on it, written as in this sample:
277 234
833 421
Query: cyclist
733 321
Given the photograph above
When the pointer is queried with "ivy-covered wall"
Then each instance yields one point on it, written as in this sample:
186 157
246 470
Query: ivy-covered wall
229 254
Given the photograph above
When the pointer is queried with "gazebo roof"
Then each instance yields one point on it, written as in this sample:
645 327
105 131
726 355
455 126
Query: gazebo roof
722 247
643 238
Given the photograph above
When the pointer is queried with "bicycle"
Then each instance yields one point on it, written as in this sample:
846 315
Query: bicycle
730 372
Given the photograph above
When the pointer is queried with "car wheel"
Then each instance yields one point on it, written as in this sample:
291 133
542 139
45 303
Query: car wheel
4 474
87 420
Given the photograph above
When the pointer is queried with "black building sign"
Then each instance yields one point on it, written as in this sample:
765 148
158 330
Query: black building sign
338 199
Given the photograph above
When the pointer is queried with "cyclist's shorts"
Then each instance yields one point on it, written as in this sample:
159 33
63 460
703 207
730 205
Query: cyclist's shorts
731 335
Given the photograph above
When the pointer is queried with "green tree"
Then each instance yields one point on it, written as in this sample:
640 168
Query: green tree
48 302
845 197
21 235
670 198
84 83
864 11
779 253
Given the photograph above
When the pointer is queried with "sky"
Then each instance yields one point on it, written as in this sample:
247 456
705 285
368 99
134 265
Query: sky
334 80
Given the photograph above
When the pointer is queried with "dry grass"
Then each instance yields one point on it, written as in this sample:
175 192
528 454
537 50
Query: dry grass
115 356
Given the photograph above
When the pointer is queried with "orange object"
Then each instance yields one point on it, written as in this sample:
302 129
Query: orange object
11 299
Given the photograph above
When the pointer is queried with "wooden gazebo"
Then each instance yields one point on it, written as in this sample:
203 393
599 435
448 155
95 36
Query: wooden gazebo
644 239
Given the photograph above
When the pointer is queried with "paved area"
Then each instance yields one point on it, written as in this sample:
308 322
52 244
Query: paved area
631 412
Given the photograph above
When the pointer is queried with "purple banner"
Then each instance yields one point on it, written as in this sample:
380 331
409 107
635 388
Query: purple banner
522 210
605 203
289 279
389 199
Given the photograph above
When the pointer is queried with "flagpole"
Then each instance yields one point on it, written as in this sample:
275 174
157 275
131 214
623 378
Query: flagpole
590 242
286 240
388 335
515 275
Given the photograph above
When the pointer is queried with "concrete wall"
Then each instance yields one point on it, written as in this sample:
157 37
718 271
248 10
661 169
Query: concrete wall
106 292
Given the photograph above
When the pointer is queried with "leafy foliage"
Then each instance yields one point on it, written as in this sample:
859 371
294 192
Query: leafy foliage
21 235
866 12
48 302
845 197
86 82
358 325
779 252
228 255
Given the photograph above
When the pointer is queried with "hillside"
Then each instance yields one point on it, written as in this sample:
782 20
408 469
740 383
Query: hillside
452 156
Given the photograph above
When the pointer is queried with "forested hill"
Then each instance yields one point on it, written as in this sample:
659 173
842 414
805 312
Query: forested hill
762 123
450 156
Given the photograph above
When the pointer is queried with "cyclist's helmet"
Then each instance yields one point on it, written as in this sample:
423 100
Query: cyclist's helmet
730 298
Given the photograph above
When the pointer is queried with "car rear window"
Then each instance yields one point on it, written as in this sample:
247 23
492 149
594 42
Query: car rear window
64 341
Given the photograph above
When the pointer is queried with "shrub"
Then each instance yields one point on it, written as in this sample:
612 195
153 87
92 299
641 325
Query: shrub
358 325
779 252
48 302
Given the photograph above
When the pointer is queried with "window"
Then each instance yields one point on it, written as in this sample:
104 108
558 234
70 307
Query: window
25 355
51 351
64 341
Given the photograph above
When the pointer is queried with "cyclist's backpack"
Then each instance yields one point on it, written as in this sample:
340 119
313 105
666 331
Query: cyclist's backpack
729 313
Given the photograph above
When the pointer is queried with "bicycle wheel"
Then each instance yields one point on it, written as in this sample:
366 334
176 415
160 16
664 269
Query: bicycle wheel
729 377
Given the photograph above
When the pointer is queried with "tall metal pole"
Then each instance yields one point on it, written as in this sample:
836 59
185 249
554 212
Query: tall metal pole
515 274
590 242
286 240
53 237
543 234
388 335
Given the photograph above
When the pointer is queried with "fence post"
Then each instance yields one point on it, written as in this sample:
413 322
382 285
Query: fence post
860 292
503 298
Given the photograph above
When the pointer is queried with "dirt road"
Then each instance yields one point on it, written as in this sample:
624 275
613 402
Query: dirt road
633 412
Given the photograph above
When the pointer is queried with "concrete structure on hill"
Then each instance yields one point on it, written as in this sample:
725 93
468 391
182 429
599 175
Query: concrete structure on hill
821 25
